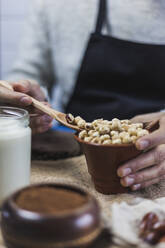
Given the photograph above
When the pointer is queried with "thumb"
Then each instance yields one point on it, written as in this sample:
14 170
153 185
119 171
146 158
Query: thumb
15 98
151 140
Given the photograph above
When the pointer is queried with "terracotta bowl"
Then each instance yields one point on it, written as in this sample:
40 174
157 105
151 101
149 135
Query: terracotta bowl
104 160
48 225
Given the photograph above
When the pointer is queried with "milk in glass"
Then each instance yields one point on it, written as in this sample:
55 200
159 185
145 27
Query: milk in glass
15 150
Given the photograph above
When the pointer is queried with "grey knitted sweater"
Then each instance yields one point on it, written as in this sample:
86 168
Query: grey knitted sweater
57 32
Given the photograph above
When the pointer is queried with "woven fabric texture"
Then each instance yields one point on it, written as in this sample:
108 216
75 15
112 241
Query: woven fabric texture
74 171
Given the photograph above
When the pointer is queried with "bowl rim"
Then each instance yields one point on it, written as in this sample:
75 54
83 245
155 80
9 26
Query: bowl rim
27 214
103 145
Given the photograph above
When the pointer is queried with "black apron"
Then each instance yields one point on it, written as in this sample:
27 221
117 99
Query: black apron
118 78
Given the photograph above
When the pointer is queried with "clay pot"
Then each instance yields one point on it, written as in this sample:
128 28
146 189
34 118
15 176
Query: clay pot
103 162
29 229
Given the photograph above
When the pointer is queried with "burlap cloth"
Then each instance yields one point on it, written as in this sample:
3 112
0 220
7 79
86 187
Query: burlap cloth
74 171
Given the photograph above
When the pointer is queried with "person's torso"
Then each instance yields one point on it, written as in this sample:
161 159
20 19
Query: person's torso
70 24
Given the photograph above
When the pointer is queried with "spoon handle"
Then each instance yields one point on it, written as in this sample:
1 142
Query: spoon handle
6 85
44 108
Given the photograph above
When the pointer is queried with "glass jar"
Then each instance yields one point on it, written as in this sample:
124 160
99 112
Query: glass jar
15 150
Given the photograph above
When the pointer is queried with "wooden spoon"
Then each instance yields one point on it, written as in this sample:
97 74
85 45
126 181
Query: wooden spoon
59 116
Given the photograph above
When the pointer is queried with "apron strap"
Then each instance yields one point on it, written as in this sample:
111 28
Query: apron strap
101 16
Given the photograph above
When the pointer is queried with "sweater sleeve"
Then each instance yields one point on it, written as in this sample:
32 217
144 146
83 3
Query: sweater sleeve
34 60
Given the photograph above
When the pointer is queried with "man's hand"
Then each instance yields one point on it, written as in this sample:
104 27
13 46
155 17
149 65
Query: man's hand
39 121
149 167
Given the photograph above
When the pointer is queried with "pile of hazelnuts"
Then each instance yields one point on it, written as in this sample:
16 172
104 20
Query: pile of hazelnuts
106 132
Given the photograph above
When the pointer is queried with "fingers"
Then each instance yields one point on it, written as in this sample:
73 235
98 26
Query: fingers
147 117
21 97
154 138
144 169
14 98
144 175
22 86
41 123
149 167
29 87
147 183
41 129
147 159
41 120
37 92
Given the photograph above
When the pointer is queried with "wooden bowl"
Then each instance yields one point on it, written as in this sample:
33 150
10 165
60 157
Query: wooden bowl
104 160
50 216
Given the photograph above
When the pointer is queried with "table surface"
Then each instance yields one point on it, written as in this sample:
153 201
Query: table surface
74 171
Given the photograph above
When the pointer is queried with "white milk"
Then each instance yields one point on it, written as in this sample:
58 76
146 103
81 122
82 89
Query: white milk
15 151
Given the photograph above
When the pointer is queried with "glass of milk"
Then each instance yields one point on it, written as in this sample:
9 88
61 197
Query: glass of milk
15 150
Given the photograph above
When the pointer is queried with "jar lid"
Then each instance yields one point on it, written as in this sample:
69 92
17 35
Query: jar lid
50 200
50 215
